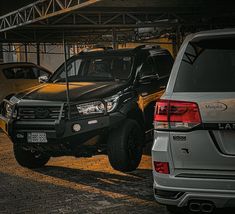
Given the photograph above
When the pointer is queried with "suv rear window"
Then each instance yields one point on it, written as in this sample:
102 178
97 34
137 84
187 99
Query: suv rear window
207 66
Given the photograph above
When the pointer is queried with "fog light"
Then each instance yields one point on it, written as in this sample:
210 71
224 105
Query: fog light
76 127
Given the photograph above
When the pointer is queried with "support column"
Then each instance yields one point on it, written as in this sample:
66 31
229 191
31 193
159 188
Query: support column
38 54
26 52
1 53
115 43
177 41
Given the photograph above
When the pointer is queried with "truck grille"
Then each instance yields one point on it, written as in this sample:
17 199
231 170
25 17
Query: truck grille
42 113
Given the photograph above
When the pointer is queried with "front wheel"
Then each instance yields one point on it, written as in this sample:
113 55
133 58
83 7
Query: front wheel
29 159
125 146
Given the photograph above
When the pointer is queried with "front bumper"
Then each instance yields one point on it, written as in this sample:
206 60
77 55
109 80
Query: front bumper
4 123
60 131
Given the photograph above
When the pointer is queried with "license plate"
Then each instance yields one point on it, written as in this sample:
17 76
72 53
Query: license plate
37 137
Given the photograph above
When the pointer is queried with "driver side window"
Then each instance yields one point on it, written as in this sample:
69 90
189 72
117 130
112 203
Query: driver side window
147 68
72 69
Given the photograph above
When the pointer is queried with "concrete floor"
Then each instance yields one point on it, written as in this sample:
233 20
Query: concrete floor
71 185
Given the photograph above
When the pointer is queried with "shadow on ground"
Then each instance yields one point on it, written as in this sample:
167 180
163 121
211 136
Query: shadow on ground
137 184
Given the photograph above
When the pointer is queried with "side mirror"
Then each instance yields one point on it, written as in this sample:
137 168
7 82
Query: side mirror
43 79
148 79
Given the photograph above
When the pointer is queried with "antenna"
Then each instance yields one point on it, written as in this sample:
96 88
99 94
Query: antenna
66 77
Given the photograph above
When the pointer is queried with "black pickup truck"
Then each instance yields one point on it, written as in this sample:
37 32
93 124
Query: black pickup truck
108 108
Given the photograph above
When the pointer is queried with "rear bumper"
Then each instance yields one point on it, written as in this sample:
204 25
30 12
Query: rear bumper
183 196
183 185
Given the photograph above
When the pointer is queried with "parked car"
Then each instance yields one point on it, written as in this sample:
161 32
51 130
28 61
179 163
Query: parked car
18 76
110 109
194 150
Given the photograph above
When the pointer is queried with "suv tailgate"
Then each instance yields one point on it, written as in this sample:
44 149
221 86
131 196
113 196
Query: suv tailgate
212 146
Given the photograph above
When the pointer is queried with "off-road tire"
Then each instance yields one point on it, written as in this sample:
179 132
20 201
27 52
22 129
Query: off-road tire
125 146
29 159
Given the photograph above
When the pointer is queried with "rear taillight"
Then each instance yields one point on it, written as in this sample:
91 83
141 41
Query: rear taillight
178 115
161 167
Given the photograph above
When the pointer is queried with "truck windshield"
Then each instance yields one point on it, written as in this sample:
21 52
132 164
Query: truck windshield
105 68
207 66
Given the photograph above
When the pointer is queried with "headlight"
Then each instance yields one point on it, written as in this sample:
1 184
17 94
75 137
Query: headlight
112 102
14 100
9 111
96 107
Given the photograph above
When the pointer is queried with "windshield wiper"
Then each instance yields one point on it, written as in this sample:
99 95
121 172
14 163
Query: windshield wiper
59 80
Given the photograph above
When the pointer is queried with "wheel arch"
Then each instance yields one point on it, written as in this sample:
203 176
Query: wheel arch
132 111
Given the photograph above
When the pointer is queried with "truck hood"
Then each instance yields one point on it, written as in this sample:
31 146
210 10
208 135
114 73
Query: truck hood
78 91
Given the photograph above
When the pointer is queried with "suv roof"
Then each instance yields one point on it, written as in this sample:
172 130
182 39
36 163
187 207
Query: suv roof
210 34
104 51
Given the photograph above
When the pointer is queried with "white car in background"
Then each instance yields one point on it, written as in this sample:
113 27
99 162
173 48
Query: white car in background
17 76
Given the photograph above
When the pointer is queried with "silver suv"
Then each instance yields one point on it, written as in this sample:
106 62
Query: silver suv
194 147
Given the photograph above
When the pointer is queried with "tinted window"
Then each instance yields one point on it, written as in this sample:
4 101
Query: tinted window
38 72
207 66
95 68
9 73
163 65
72 69
24 73
148 68
19 73
30 73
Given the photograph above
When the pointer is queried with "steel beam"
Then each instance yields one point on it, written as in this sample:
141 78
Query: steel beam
41 10
89 19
